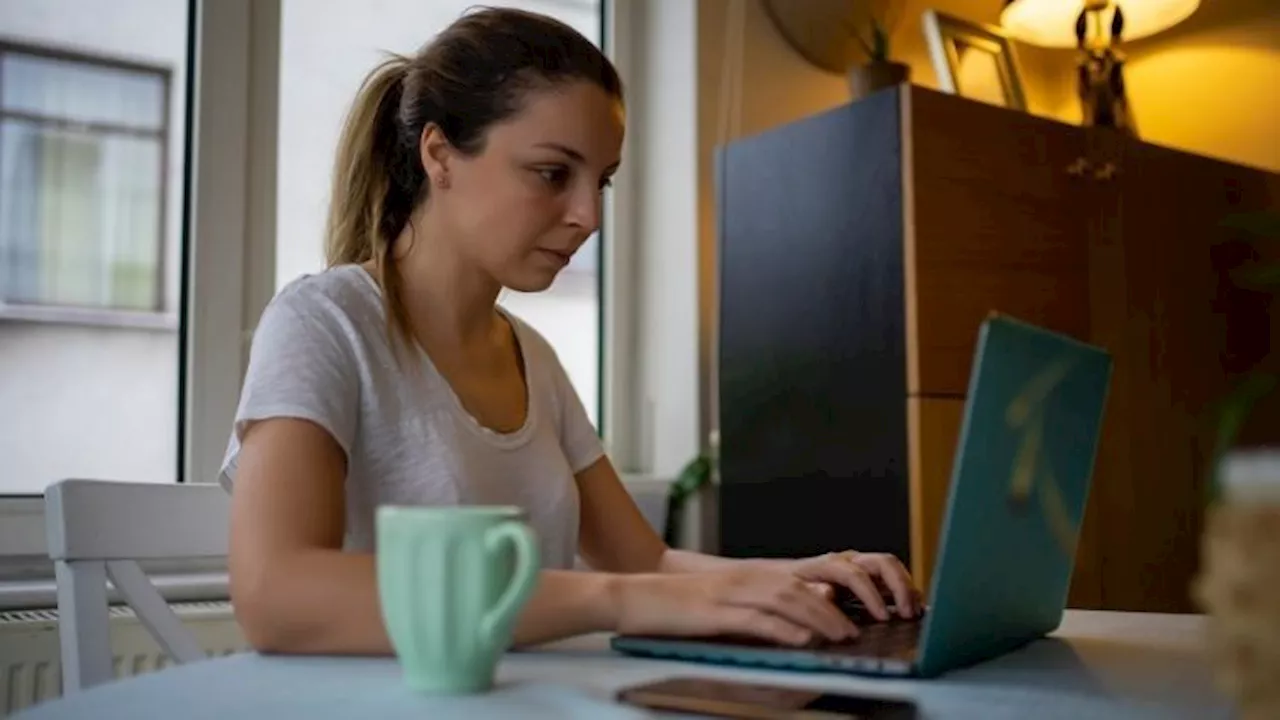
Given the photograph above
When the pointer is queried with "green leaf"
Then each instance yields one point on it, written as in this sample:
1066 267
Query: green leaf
1258 224
881 41
1257 276
1234 409
870 51
694 475
1233 412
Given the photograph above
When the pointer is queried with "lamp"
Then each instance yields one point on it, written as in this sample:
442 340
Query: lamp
1096 28
1052 23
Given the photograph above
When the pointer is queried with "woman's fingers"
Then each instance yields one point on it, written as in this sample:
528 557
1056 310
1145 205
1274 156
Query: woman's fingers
761 624
865 588
822 589
896 577
795 601
844 572
833 623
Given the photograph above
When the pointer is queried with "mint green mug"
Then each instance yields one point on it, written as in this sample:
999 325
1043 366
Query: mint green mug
451 581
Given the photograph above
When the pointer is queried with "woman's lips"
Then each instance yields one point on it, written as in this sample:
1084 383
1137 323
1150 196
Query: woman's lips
558 256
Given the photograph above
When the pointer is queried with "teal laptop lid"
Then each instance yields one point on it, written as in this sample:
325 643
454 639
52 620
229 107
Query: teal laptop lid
1019 486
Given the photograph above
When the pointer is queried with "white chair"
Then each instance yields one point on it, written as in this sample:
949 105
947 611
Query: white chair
101 529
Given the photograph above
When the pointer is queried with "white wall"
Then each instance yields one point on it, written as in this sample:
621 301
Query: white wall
86 402
97 401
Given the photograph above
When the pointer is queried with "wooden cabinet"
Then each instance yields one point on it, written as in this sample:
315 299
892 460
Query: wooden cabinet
1181 334
933 429
861 248
995 219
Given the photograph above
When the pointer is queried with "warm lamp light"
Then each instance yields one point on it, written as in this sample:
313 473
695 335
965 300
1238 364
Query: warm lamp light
1096 27
1052 23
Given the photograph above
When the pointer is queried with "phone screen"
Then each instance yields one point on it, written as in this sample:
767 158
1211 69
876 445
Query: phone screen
761 702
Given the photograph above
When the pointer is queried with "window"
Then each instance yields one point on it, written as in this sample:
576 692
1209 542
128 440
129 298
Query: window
83 175
132 379
327 47
92 173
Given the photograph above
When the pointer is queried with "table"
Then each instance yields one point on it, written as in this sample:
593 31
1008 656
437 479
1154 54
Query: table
1097 665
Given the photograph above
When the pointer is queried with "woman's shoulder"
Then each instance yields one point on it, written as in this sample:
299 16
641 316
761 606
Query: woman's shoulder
342 292
344 289
339 303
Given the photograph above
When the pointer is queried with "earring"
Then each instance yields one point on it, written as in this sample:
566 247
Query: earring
442 180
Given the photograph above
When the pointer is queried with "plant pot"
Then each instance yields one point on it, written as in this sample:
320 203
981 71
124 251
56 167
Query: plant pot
866 79
1239 582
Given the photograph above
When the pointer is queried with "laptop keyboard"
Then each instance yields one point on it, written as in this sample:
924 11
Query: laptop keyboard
895 638
882 648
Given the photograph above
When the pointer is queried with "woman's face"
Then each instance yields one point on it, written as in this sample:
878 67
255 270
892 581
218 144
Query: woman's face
522 206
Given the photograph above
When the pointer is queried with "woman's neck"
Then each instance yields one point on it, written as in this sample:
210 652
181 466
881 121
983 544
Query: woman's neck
448 299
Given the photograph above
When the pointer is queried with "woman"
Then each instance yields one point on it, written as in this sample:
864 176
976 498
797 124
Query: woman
393 377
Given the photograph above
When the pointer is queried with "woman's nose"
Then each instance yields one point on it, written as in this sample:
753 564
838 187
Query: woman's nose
584 208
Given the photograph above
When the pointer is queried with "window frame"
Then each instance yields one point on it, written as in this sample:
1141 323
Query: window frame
228 206
157 316
619 266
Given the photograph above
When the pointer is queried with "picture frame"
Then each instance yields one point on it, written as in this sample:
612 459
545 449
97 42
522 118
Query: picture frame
974 60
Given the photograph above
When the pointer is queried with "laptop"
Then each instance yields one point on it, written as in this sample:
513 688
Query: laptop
1019 485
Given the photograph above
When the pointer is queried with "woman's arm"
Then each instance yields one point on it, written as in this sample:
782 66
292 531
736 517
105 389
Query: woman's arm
615 537
296 591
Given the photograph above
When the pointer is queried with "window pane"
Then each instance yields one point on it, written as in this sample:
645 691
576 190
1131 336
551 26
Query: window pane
92 139
76 91
81 217
327 47
131 193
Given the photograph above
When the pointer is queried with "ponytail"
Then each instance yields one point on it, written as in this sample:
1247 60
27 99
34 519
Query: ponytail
472 75
375 185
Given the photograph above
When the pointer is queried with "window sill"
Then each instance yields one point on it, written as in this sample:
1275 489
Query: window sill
91 317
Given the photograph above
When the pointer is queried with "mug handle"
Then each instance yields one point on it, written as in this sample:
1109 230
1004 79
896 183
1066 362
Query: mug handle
523 579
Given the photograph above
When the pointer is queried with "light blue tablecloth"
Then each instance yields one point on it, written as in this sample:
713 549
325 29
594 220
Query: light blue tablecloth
1098 665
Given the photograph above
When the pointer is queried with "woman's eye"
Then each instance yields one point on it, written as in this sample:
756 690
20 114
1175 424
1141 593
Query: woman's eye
556 177
606 183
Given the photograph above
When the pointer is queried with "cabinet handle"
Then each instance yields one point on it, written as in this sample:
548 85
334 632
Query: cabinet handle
1078 167
1106 172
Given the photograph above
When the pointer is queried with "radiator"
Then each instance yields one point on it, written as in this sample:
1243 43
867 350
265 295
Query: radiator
30 671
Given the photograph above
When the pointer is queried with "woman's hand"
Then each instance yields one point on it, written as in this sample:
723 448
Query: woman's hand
867 575
770 604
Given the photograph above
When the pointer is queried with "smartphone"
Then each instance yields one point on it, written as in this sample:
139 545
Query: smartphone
750 701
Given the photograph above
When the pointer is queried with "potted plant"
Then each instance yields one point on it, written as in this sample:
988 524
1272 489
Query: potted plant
1261 278
1239 581
879 71
844 37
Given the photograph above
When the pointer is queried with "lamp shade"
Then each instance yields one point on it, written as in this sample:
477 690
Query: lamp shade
1052 23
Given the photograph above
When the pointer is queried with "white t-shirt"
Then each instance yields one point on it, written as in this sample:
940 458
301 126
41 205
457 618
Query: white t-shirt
321 353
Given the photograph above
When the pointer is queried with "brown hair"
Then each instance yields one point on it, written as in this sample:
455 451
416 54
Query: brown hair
473 74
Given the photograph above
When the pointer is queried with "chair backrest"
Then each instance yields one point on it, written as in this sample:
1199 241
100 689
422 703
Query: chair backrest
99 529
